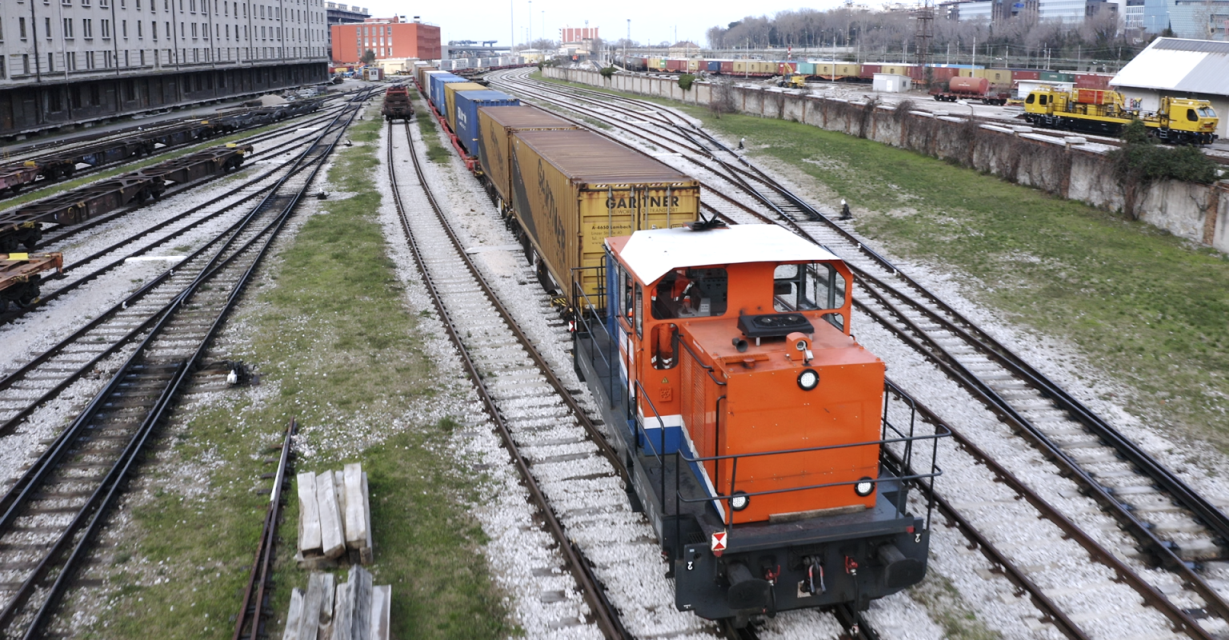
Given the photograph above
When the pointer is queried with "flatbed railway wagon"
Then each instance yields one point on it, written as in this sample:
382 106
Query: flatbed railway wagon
573 189
397 104
21 275
22 227
497 126
764 444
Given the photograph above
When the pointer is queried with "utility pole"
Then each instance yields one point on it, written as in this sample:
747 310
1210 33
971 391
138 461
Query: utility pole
924 33
973 64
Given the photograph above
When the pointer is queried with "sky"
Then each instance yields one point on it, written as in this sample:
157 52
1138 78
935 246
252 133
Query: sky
651 21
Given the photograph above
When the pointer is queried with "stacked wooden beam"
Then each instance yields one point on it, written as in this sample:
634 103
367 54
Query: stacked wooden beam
353 610
334 518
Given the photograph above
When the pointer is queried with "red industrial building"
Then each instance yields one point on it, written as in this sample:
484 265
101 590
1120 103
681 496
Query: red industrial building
387 37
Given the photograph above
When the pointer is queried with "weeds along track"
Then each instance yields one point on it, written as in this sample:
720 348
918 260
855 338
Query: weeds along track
50 514
81 271
1137 536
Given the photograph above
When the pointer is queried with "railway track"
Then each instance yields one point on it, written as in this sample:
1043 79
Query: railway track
50 514
81 271
51 373
544 435
1170 523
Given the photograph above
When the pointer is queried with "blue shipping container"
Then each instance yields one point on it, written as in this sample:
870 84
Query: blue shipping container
437 88
714 66
467 105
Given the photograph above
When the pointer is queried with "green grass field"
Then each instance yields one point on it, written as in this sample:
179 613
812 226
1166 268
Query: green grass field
1145 307
336 346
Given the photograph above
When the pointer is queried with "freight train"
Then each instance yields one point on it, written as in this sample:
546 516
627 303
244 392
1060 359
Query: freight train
1177 120
927 75
23 226
753 426
56 166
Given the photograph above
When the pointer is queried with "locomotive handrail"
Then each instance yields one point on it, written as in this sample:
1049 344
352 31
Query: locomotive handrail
706 367
582 319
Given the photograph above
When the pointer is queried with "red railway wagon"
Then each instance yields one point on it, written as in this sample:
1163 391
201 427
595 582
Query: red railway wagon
677 66
787 68
1092 81
869 71
727 67
1025 74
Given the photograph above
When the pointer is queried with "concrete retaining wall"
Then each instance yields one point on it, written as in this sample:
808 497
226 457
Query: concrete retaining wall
1038 159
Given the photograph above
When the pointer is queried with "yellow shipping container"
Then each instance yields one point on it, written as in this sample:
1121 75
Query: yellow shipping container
496 125
693 65
574 189
740 66
450 99
996 76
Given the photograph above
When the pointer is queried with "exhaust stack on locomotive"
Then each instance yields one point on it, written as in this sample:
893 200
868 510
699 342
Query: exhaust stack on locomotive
753 424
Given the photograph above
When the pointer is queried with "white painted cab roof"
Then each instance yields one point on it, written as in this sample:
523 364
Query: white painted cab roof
652 254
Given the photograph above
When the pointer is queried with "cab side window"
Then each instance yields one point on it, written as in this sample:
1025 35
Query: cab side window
1192 116
1030 99
691 293
625 284
1041 100
637 312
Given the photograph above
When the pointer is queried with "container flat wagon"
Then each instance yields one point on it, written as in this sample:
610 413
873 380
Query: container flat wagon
23 227
573 189
496 128
21 275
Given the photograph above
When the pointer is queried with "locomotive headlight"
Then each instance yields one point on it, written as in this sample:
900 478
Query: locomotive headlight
808 379
801 345
739 501
864 487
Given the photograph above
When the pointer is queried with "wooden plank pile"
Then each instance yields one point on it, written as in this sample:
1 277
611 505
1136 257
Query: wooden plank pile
334 518
352 610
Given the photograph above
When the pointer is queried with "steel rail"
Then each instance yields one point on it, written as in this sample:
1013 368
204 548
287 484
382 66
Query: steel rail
99 503
606 616
9 425
261 576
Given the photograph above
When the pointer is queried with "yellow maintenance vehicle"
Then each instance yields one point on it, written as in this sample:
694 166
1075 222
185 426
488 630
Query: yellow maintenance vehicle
1178 120
796 81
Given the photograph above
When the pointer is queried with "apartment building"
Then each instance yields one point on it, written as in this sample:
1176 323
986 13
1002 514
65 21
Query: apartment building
73 61
386 38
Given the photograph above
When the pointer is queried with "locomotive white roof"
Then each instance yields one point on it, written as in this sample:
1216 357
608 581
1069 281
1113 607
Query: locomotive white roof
652 254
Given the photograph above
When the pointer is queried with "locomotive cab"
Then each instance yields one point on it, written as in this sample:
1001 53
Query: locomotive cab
752 422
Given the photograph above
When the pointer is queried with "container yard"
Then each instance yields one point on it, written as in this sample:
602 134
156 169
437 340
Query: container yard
474 348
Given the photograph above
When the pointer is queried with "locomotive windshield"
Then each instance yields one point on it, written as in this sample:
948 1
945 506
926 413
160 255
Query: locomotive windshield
691 293
1207 112
807 287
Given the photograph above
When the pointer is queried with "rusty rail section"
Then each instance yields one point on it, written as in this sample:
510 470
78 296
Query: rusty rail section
606 617
252 611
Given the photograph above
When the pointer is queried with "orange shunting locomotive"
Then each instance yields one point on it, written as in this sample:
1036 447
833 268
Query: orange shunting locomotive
754 426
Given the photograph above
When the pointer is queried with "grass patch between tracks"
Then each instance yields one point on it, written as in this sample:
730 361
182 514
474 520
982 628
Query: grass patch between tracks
436 151
337 347
1146 307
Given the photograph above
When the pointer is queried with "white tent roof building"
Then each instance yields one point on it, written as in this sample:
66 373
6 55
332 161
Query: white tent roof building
1180 68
